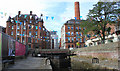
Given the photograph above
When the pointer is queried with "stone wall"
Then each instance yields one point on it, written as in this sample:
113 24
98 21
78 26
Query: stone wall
110 50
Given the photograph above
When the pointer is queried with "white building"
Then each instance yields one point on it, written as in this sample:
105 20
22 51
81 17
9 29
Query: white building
63 37
97 41
54 40
114 37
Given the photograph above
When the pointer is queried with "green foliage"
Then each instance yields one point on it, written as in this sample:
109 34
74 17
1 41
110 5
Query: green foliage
101 14
78 44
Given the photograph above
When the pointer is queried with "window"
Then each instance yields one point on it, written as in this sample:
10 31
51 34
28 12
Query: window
30 21
12 33
77 33
80 34
72 39
29 26
32 26
40 34
76 39
12 27
23 39
47 34
29 33
17 32
36 33
36 21
72 46
24 23
35 40
76 28
68 27
84 28
23 32
24 27
79 28
30 46
36 27
68 33
68 39
68 46
80 40
29 40
36 36
18 27
84 39
18 39
72 33
30 17
20 23
72 27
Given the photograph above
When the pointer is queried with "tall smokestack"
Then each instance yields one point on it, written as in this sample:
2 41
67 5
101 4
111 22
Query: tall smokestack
77 10
19 12
30 12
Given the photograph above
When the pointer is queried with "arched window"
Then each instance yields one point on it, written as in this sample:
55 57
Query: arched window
68 46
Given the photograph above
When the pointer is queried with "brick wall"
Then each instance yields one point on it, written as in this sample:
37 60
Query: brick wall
110 50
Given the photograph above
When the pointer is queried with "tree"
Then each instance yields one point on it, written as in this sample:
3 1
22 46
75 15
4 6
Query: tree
101 14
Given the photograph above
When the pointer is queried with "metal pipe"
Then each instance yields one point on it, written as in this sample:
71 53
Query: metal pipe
16 27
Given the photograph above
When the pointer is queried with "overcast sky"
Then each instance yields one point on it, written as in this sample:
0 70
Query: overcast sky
61 10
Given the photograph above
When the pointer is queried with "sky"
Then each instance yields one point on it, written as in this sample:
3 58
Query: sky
61 10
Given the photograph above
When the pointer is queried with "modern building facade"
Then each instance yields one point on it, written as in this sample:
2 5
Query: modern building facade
71 31
54 40
29 29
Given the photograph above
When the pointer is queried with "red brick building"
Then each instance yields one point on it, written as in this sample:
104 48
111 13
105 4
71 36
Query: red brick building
60 44
71 32
93 35
29 29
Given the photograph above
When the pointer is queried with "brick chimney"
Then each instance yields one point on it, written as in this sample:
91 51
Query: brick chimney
19 12
30 12
77 10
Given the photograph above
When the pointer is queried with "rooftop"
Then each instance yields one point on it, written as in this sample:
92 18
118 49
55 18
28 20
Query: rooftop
25 17
73 21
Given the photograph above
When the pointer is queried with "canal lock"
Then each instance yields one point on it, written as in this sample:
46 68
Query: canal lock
60 62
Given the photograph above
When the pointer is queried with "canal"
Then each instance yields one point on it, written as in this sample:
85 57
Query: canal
60 62
69 63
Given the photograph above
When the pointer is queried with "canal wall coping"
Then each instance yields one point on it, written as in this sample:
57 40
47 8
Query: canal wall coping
110 50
